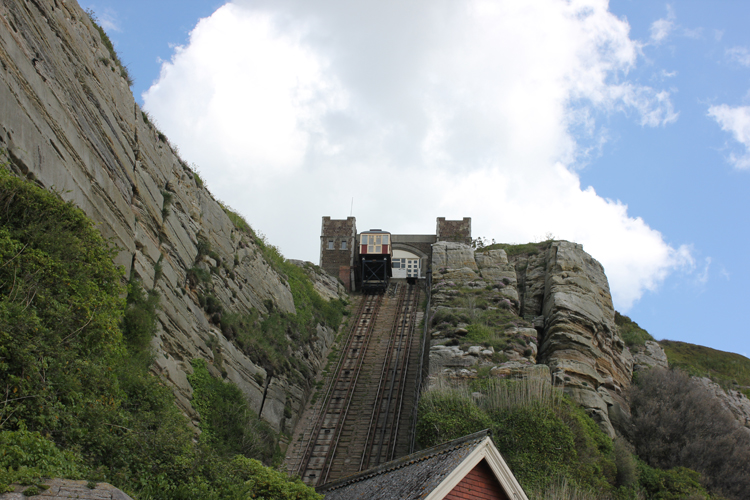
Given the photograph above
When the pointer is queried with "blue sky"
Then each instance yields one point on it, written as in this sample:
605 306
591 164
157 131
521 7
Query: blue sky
623 126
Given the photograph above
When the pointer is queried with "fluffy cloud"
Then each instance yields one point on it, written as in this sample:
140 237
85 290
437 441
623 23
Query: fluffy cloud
739 55
736 121
410 111
662 28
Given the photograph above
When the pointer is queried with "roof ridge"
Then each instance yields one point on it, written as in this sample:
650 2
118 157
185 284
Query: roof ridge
405 460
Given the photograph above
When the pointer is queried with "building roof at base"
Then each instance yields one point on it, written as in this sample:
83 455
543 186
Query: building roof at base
427 474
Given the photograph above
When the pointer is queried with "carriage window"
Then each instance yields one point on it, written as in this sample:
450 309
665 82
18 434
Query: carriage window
330 244
377 239
343 244
396 264
364 239
385 239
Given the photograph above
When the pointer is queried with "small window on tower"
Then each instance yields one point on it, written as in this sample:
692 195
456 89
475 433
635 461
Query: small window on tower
343 244
330 244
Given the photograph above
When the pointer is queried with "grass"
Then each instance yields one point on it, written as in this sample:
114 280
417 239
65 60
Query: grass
730 370
504 395
108 44
518 249
630 332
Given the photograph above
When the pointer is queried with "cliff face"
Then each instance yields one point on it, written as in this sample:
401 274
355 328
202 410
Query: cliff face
69 121
553 316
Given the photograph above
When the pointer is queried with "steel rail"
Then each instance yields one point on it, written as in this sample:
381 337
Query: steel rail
328 461
375 417
404 373
401 323
423 353
365 307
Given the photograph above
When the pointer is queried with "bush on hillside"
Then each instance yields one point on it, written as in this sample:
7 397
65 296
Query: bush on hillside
79 400
227 423
678 423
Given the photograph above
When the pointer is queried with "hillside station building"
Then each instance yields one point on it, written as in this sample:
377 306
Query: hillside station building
412 253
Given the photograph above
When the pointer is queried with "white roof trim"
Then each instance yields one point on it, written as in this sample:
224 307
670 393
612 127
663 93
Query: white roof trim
485 450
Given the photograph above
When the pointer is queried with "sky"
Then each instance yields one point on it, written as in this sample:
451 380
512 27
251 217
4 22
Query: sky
622 125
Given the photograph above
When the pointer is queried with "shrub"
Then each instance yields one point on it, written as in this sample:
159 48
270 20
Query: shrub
678 483
678 423
630 332
228 424
446 414
478 332
139 321
27 457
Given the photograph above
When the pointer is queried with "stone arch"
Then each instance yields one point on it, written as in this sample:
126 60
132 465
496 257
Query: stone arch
424 259
410 248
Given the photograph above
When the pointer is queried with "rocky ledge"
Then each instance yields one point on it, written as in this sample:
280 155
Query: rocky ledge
545 310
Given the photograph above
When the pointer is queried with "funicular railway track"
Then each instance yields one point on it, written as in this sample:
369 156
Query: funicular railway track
382 433
363 416
314 464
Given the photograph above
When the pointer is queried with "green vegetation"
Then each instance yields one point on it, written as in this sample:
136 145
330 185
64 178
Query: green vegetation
678 423
28 457
167 196
518 249
542 437
630 332
198 180
111 48
227 423
268 339
553 447
485 315
678 483
730 370
79 401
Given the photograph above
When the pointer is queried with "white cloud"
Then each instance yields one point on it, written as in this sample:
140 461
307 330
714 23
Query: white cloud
739 55
736 121
416 110
702 278
661 28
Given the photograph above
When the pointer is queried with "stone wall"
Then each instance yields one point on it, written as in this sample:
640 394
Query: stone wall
458 231
69 121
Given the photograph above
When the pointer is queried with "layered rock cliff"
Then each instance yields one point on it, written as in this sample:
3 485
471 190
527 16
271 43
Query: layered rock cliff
546 312
69 121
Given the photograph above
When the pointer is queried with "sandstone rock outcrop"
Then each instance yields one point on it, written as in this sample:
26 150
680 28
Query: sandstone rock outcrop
733 400
552 306
648 356
69 121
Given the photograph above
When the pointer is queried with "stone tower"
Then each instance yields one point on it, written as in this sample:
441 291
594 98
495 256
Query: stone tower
338 248
458 231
